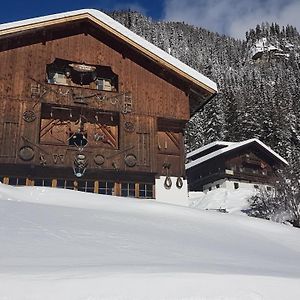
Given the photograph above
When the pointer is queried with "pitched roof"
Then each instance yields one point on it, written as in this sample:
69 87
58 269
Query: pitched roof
231 146
120 31
208 146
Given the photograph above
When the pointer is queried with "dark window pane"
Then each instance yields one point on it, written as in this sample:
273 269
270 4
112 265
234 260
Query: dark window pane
47 182
81 186
124 193
70 184
149 193
22 181
90 186
102 191
102 185
60 183
13 180
124 186
110 191
38 182
142 193
110 185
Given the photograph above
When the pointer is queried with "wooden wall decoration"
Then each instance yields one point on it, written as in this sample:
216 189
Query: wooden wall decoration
89 101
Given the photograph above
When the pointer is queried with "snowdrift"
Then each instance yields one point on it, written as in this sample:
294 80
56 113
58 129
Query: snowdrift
233 201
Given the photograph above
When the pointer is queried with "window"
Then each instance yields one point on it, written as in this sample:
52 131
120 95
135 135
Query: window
106 188
17 181
236 185
64 72
145 190
69 185
85 186
43 182
128 190
60 183
209 188
269 188
217 186
256 186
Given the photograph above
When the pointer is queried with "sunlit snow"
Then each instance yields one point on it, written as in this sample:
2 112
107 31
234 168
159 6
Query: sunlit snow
59 244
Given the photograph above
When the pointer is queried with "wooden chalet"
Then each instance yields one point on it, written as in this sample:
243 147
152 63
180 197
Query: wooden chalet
89 105
233 165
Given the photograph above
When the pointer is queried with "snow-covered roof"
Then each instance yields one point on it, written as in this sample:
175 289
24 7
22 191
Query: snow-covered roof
230 147
208 146
120 31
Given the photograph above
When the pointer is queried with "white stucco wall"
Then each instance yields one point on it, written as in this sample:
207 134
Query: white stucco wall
229 184
174 195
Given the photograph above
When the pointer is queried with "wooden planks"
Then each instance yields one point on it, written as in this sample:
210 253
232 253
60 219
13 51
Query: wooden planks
152 97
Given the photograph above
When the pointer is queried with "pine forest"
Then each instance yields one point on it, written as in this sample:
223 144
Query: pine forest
258 80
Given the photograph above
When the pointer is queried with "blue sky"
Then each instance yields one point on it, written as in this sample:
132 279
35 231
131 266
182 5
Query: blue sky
232 17
20 9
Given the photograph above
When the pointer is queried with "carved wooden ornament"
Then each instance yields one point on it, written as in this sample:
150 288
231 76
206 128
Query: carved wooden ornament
130 160
29 116
99 159
26 153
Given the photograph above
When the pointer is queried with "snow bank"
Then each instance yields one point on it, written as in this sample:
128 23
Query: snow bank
58 244
233 201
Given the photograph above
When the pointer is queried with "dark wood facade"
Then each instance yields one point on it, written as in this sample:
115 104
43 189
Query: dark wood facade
78 100
250 163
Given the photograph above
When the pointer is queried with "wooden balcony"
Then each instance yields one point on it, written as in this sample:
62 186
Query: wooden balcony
233 175
77 95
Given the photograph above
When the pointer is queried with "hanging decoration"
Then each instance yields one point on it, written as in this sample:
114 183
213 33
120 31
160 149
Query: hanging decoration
79 164
168 182
179 183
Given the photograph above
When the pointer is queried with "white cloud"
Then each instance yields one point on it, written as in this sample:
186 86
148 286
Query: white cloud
233 17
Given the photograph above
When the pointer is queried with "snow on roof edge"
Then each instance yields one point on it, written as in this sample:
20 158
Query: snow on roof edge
232 147
102 17
208 146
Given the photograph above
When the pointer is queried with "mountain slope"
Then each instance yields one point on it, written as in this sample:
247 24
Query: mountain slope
257 99
73 245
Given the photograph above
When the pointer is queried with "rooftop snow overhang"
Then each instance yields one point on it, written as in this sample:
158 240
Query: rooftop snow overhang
201 88
233 146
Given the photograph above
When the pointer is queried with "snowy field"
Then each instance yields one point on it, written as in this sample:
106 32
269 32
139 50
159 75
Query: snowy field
59 244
